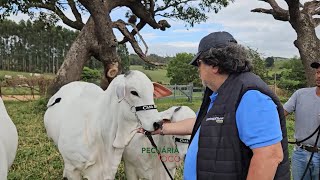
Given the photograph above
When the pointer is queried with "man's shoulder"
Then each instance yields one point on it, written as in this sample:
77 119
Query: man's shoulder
305 91
255 95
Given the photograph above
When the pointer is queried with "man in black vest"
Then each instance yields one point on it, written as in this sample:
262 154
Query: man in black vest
240 130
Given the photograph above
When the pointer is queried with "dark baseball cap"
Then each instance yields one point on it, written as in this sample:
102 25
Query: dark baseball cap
213 40
315 65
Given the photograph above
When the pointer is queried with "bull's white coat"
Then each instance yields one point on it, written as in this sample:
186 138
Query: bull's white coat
92 127
142 165
8 141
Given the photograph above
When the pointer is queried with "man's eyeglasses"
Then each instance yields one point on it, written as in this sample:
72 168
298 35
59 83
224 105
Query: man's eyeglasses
199 62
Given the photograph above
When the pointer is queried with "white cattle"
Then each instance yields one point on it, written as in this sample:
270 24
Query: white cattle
21 76
93 126
8 141
140 158
66 95
7 76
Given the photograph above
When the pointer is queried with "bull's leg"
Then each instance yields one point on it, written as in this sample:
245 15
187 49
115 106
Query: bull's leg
130 172
3 163
70 173
94 172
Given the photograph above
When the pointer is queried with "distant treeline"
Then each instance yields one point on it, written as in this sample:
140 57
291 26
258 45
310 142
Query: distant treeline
37 46
33 46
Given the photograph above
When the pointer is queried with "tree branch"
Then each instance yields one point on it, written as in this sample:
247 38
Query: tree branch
277 12
311 7
173 4
139 26
74 24
74 10
294 11
277 16
316 22
139 10
121 26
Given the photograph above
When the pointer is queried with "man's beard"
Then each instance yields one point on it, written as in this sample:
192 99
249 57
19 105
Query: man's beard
204 83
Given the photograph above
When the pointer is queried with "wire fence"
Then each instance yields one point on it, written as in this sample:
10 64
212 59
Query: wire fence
186 91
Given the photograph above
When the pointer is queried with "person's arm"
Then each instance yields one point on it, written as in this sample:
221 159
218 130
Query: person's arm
290 105
285 113
183 127
179 128
264 162
259 128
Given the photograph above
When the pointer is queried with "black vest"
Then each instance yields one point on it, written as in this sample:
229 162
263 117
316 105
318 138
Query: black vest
221 154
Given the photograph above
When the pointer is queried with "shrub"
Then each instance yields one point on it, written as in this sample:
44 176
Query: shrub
90 75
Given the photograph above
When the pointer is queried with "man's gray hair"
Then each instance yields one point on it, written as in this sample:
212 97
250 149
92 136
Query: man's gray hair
230 59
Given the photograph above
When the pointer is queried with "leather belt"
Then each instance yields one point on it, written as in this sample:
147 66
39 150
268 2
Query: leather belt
308 148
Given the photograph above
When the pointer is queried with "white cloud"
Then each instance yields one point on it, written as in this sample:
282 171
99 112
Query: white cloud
168 49
190 30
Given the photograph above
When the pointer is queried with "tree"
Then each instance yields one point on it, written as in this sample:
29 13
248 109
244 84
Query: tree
292 78
304 20
181 72
269 61
258 64
33 46
97 37
124 56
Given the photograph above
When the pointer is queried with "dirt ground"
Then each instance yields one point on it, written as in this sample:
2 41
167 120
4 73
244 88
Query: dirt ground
19 97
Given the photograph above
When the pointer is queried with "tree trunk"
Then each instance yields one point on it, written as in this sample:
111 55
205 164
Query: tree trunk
308 44
78 54
95 39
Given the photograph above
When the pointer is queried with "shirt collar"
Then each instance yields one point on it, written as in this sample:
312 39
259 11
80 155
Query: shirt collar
213 96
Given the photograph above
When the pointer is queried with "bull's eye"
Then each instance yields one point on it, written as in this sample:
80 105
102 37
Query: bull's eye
134 93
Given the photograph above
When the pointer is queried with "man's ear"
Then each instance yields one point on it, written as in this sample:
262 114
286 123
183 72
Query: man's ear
160 90
215 69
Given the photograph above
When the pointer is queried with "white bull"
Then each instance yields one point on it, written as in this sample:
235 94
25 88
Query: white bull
140 158
8 141
94 126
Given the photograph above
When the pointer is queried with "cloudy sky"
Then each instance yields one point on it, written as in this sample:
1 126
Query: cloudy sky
258 31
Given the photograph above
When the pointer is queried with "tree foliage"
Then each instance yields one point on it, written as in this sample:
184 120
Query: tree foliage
181 72
304 19
258 64
269 62
33 46
124 56
90 75
292 78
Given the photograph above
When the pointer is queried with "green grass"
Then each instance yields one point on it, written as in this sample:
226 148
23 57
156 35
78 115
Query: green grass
18 91
158 75
38 158
277 67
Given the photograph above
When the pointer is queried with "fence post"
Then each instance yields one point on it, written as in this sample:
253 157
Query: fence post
191 91
174 91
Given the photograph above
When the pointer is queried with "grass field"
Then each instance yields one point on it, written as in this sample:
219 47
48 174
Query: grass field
158 75
38 158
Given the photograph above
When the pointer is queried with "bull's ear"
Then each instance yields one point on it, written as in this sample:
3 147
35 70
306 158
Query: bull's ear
121 91
160 90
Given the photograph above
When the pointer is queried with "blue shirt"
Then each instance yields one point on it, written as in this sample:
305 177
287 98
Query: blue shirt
258 125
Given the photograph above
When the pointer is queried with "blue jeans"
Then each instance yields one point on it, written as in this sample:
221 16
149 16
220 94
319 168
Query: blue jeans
300 159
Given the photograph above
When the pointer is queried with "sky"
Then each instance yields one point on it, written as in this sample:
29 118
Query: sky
257 31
